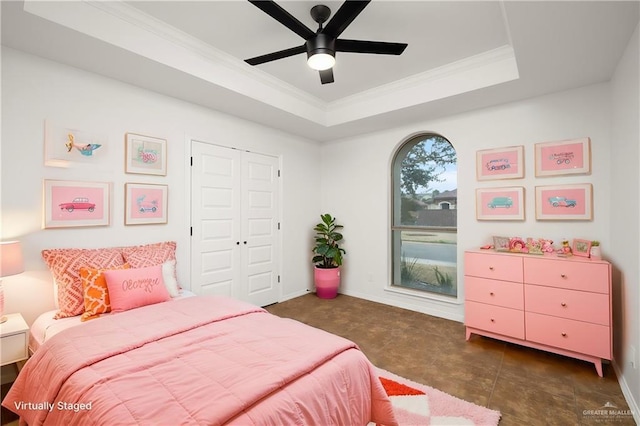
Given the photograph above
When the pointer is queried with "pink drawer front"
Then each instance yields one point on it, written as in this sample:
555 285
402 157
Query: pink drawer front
505 321
568 274
577 336
502 267
572 304
493 292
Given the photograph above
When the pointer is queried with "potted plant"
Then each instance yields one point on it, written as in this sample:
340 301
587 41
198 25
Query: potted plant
594 251
327 257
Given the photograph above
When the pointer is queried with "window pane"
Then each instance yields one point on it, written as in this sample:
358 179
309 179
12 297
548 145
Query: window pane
425 198
427 261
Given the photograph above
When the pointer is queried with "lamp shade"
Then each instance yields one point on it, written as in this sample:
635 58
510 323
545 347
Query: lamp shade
11 262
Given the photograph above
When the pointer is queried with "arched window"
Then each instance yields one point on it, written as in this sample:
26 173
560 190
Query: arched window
424 223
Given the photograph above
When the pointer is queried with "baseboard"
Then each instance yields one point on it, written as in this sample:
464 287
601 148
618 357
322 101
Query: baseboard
294 295
628 395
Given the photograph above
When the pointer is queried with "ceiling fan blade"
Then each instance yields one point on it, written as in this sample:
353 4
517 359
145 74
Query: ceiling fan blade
375 47
285 18
344 16
276 55
326 76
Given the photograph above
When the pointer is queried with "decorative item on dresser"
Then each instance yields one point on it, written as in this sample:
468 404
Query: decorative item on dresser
10 264
561 305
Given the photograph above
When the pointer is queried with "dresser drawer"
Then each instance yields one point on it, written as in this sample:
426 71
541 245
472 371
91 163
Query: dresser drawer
496 319
493 266
493 292
568 274
572 304
577 336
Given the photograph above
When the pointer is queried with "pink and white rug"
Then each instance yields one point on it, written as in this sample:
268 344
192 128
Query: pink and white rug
416 404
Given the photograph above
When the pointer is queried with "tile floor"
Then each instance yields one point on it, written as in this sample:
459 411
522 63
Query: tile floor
529 387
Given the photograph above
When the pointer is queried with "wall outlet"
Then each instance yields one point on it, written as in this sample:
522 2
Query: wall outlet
632 357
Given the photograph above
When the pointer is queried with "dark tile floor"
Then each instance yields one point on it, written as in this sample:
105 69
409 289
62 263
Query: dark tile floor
529 387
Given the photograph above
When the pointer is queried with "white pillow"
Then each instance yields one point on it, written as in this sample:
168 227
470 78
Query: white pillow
169 277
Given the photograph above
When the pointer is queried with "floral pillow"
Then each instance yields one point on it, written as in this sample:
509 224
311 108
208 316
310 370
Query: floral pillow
65 266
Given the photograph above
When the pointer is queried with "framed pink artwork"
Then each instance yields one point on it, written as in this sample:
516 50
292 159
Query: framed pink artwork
569 157
145 155
500 163
564 202
70 204
500 203
145 204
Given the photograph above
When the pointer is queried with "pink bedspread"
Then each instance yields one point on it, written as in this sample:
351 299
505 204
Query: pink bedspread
200 360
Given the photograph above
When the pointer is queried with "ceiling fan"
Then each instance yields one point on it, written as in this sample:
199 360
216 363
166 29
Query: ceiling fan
321 46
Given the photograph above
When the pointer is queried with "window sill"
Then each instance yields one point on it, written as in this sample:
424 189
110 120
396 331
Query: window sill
424 295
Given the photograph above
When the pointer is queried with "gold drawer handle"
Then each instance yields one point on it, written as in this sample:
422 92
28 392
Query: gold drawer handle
490 293
564 334
492 320
491 268
564 305
563 275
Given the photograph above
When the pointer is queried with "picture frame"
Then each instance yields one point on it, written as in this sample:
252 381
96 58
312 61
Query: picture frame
500 203
501 243
145 204
69 204
145 155
581 247
567 157
564 202
500 163
69 147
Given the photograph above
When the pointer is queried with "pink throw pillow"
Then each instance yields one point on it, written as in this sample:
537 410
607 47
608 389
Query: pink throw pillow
132 288
149 254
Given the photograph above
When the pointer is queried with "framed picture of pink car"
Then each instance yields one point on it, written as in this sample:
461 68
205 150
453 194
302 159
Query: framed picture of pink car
500 163
69 204
500 203
145 204
569 157
145 155
581 247
564 202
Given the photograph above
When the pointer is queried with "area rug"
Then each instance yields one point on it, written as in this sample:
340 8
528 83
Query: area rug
416 404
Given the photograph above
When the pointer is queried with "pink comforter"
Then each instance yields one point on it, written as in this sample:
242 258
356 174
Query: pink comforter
200 360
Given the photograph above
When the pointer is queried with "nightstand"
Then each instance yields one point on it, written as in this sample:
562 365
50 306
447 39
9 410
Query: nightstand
14 340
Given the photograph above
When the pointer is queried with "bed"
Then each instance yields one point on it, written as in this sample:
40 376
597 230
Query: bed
202 360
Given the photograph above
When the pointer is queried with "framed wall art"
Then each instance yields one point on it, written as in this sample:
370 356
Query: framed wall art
68 147
145 155
500 203
568 157
76 203
501 243
581 247
500 163
145 204
564 202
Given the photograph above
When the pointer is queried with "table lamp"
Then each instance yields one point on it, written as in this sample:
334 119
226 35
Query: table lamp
10 264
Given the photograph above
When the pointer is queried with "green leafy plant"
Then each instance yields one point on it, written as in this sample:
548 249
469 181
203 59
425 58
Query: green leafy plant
595 243
328 253
408 270
444 280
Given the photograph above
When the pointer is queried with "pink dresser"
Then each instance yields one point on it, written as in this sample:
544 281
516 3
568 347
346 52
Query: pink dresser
560 305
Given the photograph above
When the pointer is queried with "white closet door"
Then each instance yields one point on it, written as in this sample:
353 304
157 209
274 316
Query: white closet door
234 218
215 220
260 214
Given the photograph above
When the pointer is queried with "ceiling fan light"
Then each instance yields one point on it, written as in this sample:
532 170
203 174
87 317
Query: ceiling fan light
321 61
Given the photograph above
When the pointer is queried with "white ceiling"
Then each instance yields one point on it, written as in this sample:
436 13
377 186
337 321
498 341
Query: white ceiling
461 55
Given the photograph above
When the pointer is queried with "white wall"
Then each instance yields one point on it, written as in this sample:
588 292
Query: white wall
35 89
625 226
356 181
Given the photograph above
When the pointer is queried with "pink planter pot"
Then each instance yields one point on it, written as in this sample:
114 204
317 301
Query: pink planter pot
327 282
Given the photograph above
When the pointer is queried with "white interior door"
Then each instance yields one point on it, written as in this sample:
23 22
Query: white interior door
235 221
215 220
260 197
